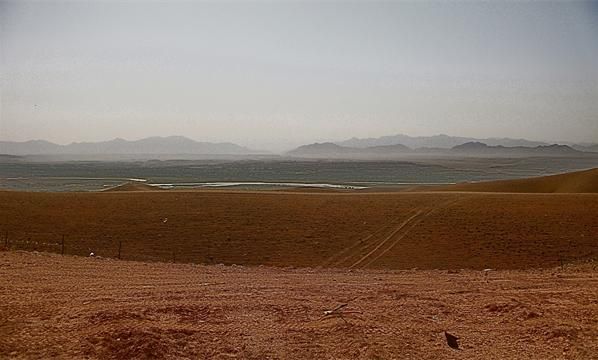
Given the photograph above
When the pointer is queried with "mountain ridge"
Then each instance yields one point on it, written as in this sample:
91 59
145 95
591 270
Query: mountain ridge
150 145
434 141
332 150
179 145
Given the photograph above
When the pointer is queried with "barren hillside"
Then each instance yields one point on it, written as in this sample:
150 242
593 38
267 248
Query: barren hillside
574 182
356 230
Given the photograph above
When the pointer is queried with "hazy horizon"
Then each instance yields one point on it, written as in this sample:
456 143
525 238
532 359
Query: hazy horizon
275 75
339 140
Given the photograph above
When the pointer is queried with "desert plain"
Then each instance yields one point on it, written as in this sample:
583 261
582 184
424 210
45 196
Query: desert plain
259 274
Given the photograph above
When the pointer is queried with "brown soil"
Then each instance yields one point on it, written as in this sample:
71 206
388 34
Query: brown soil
54 306
357 230
574 182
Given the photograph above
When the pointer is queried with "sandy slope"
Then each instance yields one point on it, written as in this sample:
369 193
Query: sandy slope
574 182
73 307
358 230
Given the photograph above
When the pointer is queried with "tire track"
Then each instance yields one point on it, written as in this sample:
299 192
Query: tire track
367 250
334 260
384 240
377 247
410 225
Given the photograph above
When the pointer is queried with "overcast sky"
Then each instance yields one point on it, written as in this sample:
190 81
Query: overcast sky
273 75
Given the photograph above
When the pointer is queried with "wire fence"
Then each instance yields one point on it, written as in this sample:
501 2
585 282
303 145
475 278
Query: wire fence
160 250
107 246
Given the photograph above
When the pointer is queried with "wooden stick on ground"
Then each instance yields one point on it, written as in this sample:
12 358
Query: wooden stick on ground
338 312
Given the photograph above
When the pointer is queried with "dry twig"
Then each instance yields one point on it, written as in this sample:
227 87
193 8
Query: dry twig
338 312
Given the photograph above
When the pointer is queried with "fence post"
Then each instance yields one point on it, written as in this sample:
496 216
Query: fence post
62 246
120 245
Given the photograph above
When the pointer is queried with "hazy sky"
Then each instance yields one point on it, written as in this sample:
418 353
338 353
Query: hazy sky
272 75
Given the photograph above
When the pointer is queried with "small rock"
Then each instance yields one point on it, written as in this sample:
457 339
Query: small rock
451 340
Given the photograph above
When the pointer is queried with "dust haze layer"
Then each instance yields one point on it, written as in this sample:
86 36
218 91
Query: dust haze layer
275 76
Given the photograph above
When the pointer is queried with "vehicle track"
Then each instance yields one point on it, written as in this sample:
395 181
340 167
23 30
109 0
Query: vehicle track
386 238
336 260
369 249
409 226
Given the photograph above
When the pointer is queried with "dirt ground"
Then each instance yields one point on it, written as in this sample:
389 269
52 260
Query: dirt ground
54 306
434 230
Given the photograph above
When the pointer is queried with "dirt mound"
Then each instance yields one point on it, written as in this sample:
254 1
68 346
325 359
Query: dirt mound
133 186
574 182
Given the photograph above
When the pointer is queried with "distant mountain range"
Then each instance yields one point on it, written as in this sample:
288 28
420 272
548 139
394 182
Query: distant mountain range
335 151
586 147
382 147
478 148
436 141
151 145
